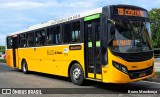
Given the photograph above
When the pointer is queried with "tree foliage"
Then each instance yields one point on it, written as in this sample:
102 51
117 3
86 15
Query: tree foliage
154 16
2 49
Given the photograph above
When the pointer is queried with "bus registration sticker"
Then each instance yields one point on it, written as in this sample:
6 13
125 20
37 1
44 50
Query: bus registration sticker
65 50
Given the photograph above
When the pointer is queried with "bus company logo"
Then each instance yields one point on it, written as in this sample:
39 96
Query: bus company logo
50 52
6 91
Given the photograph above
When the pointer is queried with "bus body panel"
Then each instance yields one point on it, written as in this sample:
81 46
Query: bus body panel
98 76
17 59
118 76
9 57
112 75
30 57
51 59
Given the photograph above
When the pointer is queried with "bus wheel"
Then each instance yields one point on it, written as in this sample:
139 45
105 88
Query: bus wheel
24 67
76 74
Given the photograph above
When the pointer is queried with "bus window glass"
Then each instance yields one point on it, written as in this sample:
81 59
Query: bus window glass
72 32
22 40
40 37
50 33
131 36
76 32
53 35
57 35
9 42
30 39
67 33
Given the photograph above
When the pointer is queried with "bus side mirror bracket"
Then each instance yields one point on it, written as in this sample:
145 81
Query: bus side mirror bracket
112 26
111 21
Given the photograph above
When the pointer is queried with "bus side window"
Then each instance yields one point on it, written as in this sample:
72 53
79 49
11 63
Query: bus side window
22 40
40 37
71 32
9 42
53 35
67 33
37 38
30 39
42 40
76 31
57 35
50 33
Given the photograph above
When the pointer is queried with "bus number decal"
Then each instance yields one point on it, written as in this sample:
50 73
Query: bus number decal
75 47
130 12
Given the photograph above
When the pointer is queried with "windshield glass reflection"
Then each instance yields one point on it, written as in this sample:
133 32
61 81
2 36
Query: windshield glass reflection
131 36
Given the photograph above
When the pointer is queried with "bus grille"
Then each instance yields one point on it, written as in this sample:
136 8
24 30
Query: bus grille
140 73
135 57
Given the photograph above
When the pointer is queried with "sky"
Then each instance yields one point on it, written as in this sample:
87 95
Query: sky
18 15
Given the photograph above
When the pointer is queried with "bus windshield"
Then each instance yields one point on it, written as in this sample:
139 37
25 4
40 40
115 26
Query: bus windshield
131 36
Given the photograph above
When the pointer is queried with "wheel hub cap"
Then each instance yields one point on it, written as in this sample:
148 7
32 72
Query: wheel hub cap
76 73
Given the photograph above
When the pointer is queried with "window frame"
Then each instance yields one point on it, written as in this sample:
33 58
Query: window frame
11 39
72 29
39 31
27 44
60 32
46 29
19 39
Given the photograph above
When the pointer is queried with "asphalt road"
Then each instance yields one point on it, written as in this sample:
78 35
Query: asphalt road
12 78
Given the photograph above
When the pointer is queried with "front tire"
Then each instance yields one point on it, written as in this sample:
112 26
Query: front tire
24 67
77 74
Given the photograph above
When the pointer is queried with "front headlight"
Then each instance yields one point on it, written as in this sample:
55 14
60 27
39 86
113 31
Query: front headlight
120 67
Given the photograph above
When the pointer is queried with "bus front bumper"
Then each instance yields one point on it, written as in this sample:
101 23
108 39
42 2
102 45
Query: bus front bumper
116 76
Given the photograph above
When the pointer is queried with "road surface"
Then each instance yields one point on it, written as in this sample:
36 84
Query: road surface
12 78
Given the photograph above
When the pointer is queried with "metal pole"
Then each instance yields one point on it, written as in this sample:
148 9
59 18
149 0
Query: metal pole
1 47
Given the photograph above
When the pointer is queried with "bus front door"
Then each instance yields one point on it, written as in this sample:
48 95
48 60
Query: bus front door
92 49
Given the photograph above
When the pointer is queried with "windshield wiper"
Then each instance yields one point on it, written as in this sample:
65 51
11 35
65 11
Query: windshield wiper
129 26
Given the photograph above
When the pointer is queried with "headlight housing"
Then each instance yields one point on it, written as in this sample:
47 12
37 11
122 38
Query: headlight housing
120 67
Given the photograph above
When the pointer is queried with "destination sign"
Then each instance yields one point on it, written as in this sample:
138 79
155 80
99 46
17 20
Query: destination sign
122 42
130 12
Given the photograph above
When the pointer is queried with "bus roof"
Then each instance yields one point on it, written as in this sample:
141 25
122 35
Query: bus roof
54 22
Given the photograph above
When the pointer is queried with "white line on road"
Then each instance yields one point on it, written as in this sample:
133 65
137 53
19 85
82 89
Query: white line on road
3 63
151 82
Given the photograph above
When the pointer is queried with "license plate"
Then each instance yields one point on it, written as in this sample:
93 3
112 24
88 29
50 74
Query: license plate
142 74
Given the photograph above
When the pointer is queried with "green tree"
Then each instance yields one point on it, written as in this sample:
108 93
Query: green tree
154 16
2 49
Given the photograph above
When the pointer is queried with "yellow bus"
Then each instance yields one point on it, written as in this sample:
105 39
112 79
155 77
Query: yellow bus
111 44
